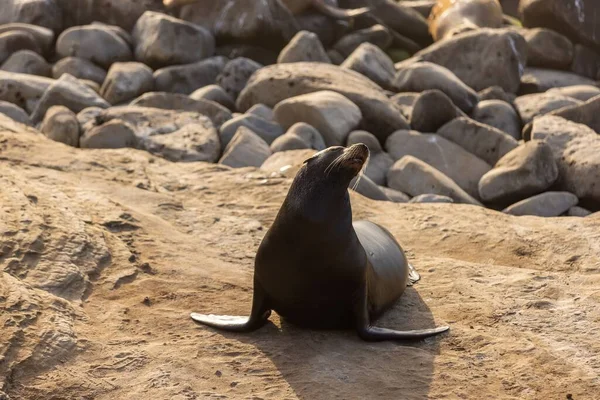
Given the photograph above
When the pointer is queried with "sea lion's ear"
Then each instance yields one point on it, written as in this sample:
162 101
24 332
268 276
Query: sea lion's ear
313 156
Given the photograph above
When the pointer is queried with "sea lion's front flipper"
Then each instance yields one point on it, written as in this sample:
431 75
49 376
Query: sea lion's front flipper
375 334
258 316
413 275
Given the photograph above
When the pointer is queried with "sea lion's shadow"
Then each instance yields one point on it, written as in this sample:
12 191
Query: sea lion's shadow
338 364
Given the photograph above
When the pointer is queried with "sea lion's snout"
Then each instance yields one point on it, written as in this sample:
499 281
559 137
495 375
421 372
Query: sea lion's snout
356 156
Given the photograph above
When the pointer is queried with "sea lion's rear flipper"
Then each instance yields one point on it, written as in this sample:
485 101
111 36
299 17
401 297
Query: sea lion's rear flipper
258 316
413 275
374 334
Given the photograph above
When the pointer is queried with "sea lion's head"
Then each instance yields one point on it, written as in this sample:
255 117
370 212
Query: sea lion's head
337 164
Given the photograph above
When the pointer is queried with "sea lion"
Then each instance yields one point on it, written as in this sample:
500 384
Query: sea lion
450 17
296 7
316 268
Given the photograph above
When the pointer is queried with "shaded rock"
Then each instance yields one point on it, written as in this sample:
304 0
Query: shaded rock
275 83
8 124
95 43
496 93
187 78
548 204
548 49
22 89
587 113
327 29
573 18
193 142
266 130
500 115
260 110
431 198
431 111
575 148
147 121
299 136
126 81
527 170
449 158
44 37
486 142
216 94
162 40
60 124
373 63
288 162
122 33
539 80
489 57
401 19
332 114
113 134
364 185
80 69
305 46
533 105
577 211
335 57
246 149
579 92
415 177
69 92
423 7
14 112
379 162
405 102
394 195
422 76
255 53
377 35
44 13
27 62
235 75
13 41
586 62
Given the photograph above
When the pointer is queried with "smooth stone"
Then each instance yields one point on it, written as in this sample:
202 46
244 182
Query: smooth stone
246 149
274 83
401 19
268 131
500 115
548 49
299 136
13 41
527 170
379 162
69 92
255 53
95 43
126 81
187 78
288 162
421 76
191 143
575 148
496 93
114 134
216 94
260 110
327 29
235 75
86 116
431 198
80 69
332 114
405 102
60 124
364 185
548 204
415 177
377 35
579 92
162 40
14 112
462 167
394 195
305 46
577 211
43 36
27 62
370 61
44 13
23 90
587 113
486 142
533 105
586 62
432 110
489 57
539 80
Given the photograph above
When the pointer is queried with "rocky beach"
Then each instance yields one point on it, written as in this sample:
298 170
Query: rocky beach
145 150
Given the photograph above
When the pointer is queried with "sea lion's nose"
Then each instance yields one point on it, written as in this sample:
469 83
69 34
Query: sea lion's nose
359 148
